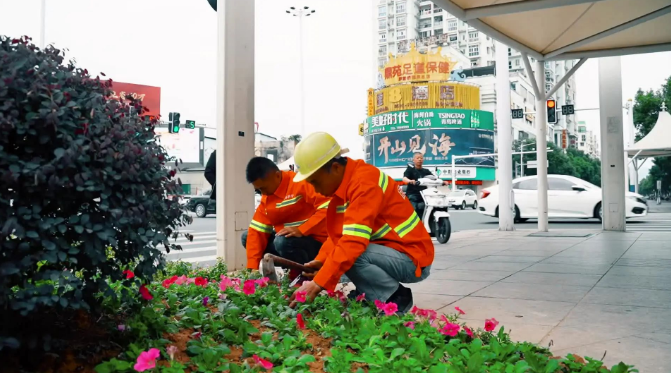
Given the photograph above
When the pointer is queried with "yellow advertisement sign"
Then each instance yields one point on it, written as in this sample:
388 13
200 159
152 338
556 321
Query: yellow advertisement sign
371 102
417 67
427 96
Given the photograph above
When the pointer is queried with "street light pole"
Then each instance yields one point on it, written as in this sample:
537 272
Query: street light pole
300 13
43 24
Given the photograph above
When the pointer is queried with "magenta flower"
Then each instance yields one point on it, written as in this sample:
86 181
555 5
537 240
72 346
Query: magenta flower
205 300
121 327
460 311
300 296
249 288
490 324
300 321
450 330
388 308
262 282
361 297
181 280
265 364
147 360
468 331
410 324
225 283
146 294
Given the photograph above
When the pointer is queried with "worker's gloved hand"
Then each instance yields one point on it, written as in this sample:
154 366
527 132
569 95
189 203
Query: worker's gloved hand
290 232
309 289
316 264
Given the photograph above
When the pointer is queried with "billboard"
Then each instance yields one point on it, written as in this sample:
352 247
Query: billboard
415 66
149 95
427 96
396 149
429 119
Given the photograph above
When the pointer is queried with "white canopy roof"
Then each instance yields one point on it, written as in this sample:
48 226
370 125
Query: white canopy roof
570 29
657 142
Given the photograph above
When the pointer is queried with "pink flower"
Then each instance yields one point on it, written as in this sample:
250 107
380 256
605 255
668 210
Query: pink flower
121 327
199 281
145 293
468 331
129 274
169 281
379 304
299 320
147 360
427 314
190 281
265 364
450 330
388 308
225 283
262 282
236 283
249 288
461 312
490 324
181 280
361 297
300 296
171 350
410 324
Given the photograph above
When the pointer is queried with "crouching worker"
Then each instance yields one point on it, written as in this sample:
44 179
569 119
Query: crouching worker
375 236
289 222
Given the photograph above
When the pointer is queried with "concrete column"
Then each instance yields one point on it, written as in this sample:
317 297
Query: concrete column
505 139
612 161
235 126
541 148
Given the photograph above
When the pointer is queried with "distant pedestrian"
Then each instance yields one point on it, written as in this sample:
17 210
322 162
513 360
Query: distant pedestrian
211 175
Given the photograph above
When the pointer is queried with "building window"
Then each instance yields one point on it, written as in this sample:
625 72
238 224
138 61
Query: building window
473 51
489 51
510 52
382 11
400 7
463 51
400 21
473 36
513 86
452 25
382 50
584 138
401 35
517 62
510 65
547 65
383 38
453 37
548 87
474 63
382 24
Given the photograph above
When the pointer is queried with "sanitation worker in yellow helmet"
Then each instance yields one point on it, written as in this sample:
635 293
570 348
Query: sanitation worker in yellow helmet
374 235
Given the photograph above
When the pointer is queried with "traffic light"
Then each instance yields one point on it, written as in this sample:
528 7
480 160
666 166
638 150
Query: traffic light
173 126
190 124
552 111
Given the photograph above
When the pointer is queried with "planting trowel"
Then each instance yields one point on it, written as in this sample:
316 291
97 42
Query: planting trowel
267 268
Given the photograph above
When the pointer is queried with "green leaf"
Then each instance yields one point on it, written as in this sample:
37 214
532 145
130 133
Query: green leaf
304 359
396 353
59 152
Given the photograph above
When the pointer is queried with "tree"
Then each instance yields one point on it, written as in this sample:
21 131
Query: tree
647 106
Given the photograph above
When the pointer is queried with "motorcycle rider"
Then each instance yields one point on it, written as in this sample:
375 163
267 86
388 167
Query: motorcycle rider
413 173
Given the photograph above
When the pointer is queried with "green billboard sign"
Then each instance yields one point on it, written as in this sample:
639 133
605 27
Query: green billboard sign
430 119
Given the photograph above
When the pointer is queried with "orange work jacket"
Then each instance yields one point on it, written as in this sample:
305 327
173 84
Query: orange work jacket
369 207
292 205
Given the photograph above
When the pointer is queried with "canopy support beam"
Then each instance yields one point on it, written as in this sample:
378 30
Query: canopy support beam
566 77
519 7
642 49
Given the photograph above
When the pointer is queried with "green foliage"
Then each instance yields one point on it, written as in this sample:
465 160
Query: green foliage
647 106
82 188
261 324
573 163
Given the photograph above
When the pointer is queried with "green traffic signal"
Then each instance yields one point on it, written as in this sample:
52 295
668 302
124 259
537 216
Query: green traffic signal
175 128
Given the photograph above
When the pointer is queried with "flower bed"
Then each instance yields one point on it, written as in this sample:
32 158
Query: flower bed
214 323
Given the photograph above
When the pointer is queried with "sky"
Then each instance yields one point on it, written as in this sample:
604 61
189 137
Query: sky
172 44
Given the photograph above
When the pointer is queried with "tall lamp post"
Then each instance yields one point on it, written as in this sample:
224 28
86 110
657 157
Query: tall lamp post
301 12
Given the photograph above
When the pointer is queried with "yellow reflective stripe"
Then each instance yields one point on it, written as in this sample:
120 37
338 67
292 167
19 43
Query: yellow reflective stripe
341 209
288 202
357 230
381 232
295 224
324 205
263 228
383 182
408 225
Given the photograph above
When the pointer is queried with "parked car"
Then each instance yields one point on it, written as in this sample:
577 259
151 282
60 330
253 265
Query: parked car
201 206
568 197
460 199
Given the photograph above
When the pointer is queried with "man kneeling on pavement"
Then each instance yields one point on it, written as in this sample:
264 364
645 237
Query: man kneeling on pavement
374 235
289 222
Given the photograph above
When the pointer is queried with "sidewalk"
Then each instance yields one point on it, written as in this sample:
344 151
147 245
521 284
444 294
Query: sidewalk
606 293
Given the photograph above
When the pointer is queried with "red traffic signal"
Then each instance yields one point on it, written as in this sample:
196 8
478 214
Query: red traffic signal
552 111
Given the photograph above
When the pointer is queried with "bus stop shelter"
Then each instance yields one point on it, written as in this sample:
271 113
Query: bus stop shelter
540 29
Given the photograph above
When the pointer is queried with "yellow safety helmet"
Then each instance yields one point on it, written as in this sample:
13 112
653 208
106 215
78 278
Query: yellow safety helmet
313 152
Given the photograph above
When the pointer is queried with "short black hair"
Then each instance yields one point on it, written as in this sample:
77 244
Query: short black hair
259 167
340 160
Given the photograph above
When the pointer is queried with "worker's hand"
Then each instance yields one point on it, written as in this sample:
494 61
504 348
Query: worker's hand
311 289
290 232
316 264
445 182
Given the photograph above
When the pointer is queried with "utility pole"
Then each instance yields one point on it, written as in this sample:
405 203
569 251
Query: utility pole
301 12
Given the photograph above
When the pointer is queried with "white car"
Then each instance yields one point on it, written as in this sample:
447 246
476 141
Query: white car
460 199
568 197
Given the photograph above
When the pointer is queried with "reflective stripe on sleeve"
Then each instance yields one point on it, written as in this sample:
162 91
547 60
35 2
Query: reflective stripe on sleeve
381 232
263 228
324 205
357 230
295 224
342 208
408 225
288 202
383 182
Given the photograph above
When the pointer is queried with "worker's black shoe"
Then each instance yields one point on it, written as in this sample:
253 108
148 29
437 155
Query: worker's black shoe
403 299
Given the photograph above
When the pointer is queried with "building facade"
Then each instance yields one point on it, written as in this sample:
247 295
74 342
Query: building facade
586 140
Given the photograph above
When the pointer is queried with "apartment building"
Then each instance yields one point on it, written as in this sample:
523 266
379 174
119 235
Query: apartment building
586 140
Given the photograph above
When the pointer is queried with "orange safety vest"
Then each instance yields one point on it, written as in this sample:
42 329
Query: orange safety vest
292 205
369 207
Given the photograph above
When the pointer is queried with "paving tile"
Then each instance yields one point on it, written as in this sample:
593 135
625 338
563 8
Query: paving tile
433 301
635 282
568 338
508 259
631 271
645 262
648 253
579 260
629 297
543 253
480 266
530 312
461 275
520 332
666 237
448 287
570 279
585 269
643 319
615 236
516 290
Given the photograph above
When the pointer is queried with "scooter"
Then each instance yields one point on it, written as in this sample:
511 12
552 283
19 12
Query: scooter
436 217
